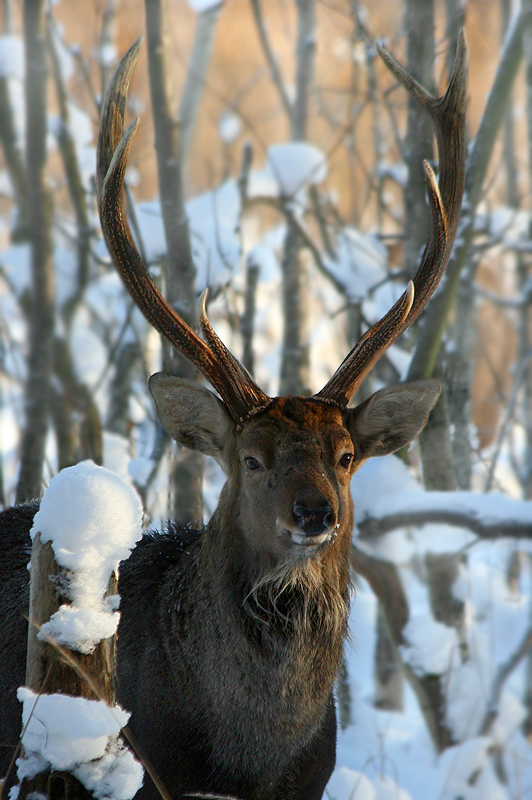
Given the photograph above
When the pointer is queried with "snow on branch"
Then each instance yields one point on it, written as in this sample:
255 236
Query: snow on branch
388 498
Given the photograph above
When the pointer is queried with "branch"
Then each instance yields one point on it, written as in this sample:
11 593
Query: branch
197 70
435 320
270 58
488 516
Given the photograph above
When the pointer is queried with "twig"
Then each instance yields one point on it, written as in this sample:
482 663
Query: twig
270 58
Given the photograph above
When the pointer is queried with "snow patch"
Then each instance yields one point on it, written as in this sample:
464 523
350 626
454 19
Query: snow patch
93 520
77 735
295 164
430 645
12 57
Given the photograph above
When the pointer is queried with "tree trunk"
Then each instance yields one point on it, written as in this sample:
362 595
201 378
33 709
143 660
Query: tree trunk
181 273
51 671
37 390
295 363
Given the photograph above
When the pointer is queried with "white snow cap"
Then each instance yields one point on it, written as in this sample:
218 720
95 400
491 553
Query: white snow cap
80 736
92 518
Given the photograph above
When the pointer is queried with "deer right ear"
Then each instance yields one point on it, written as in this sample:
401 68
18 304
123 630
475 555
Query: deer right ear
192 415
391 418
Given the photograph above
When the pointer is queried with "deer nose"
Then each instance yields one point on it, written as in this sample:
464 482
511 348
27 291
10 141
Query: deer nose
313 520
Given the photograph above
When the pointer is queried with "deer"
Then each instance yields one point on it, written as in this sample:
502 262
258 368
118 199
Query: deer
231 635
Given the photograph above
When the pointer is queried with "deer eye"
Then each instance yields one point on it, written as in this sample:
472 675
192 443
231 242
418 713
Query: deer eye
346 460
252 463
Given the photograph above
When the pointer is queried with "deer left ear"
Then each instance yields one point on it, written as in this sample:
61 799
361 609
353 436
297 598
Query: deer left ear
391 418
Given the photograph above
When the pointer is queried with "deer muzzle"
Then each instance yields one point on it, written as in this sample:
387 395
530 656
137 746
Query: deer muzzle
314 521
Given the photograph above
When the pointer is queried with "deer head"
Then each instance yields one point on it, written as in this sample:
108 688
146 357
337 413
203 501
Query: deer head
289 460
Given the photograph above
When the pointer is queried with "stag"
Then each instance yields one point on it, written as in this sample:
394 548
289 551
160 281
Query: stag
231 636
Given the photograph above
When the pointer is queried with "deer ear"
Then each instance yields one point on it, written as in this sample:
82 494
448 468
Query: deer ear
192 415
391 418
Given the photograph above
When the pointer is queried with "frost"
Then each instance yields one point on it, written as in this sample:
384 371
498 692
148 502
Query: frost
93 520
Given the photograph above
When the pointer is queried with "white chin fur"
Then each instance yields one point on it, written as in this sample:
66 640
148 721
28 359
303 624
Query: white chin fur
309 541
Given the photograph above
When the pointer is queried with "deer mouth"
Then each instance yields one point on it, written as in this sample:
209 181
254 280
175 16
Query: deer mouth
310 540
305 539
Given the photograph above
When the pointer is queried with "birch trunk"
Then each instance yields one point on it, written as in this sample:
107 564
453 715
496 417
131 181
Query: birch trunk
181 273
37 390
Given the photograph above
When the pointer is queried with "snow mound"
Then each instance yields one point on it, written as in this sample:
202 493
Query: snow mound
77 735
93 520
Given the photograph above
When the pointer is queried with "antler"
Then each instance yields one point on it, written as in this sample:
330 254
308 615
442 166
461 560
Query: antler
448 115
235 386
224 372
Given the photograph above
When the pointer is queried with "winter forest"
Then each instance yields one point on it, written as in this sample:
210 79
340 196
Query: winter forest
279 163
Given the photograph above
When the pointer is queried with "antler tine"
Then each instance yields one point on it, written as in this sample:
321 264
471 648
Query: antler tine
448 115
234 385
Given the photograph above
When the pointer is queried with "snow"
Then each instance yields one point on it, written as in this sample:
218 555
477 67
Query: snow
140 469
383 487
429 645
12 57
80 736
199 6
229 127
93 520
294 164
381 754
360 263
213 219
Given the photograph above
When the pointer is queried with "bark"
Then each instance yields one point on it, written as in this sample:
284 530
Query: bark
525 348
384 580
343 691
248 320
51 670
459 371
419 21
118 420
435 319
270 57
196 75
69 156
455 19
510 165
436 448
106 41
443 570
295 363
484 528
418 146
389 683
187 478
37 390
14 164
524 278
76 417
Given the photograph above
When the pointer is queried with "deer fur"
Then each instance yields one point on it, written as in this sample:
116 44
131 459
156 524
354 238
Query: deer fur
231 636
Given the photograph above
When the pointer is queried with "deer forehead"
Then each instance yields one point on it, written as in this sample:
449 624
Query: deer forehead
294 425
